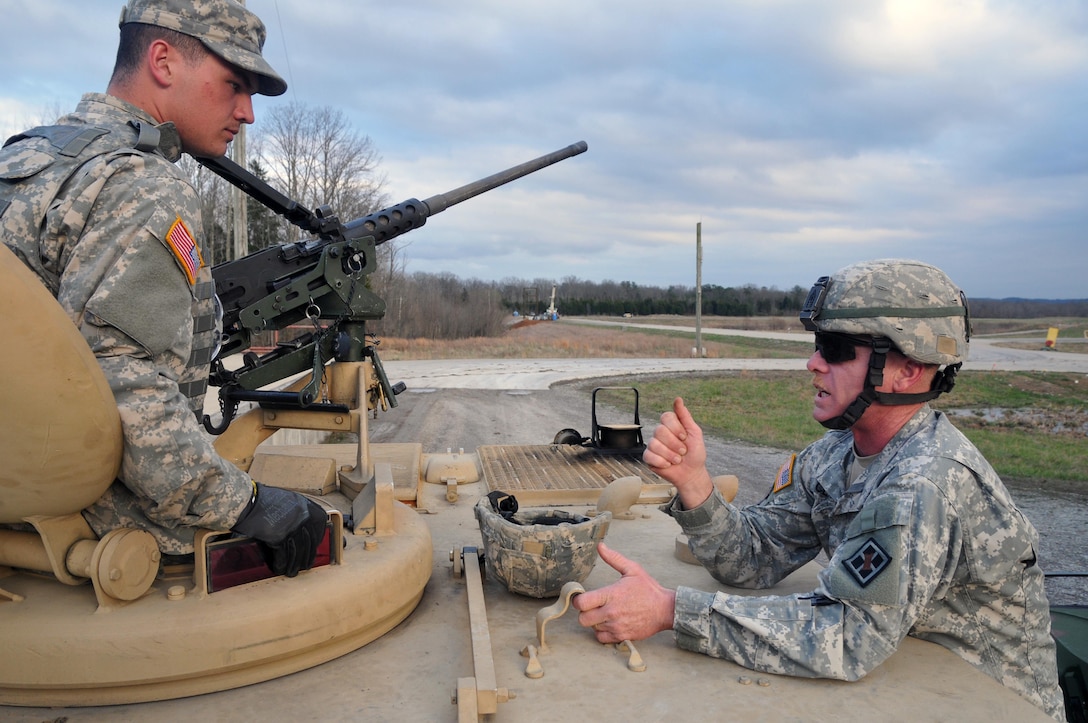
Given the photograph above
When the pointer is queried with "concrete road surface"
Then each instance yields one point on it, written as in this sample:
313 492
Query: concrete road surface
529 374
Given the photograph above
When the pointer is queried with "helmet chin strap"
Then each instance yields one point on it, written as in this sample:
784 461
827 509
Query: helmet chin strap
873 379
943 382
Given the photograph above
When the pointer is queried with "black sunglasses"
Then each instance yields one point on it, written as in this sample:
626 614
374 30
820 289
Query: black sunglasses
838 348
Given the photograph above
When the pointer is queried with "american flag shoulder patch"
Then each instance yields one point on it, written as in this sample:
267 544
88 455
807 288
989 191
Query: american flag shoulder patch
186 251
785 475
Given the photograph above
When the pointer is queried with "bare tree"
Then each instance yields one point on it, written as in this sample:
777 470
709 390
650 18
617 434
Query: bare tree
442 306
388 279
50 113
314 156
214 194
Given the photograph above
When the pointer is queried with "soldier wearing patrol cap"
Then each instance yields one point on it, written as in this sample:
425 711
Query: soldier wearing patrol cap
96 206
923 537
224 27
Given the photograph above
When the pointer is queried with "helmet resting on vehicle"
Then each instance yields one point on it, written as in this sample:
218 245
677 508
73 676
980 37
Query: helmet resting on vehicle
535 552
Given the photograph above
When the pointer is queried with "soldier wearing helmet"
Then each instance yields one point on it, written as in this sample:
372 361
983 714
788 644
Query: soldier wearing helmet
96 206
923 537
903 306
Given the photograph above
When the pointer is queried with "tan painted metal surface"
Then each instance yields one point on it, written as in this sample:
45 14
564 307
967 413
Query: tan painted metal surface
60 651
550 474
137 635
412 672
60 434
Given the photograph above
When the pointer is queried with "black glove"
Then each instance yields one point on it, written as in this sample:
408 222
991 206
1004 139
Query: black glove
290 526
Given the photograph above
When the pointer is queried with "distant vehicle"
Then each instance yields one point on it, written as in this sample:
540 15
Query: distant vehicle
551 313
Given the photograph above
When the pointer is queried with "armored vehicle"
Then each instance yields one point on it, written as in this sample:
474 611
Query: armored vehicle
399 619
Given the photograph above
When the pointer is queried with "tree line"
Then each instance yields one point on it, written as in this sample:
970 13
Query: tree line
442 306
609 298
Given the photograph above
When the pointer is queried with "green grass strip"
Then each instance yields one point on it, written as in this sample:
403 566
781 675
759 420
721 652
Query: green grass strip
1029 425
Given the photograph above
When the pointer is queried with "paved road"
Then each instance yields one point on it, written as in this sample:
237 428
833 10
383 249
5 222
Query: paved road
534 374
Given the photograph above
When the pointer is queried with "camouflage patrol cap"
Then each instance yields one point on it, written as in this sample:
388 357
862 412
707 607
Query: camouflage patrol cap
225 27
913 304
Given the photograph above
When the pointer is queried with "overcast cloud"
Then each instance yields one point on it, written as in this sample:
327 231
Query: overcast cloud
803 134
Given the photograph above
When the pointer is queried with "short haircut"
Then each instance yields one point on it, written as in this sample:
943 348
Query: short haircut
136 38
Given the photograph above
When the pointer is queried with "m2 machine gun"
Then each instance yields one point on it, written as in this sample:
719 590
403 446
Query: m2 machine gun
320 279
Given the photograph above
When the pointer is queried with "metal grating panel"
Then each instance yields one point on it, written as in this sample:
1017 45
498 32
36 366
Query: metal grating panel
564 473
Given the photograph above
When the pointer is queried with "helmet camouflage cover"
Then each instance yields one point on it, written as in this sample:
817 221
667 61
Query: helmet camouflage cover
535 553
914 305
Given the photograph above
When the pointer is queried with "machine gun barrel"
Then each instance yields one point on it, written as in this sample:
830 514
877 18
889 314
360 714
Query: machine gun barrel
278 286
442 201
411 214
320 278
389 222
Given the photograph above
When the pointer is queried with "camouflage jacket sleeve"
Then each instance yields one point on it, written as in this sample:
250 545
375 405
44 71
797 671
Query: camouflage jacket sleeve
130 290
925 541
878 583
753 547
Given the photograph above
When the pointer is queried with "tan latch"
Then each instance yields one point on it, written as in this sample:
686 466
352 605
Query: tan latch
534 669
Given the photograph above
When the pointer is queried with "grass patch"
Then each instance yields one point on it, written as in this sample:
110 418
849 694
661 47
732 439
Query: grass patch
1018 390
762 407
1029 425
719 346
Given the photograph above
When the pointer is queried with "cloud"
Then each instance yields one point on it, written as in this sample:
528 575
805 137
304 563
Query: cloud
804 136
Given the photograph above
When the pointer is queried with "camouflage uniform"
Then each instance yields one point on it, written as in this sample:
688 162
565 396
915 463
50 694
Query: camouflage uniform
116 249
926 541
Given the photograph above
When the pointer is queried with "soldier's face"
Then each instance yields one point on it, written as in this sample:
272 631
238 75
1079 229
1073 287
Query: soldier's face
837 385
214 100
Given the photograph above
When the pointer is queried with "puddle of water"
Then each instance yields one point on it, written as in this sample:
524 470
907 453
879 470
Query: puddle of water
1032 418
1061 519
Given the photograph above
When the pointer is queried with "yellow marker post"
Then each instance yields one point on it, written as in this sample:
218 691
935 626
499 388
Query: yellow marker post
1052 337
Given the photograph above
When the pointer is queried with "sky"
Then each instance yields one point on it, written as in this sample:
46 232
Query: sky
803 136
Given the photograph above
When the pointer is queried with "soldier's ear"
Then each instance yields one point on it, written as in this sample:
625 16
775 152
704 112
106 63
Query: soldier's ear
911 375
161 62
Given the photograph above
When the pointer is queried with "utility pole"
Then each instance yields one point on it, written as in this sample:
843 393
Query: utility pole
699 351
239 200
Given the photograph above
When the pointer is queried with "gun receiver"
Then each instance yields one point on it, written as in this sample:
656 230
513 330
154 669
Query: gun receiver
320 278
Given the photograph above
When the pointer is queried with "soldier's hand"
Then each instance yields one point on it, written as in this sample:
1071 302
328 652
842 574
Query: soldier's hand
633 608
677 453
289 525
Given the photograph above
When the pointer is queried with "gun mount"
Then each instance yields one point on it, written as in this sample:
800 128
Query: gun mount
318 279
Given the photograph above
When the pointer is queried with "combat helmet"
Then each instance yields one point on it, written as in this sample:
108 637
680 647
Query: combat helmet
535 553
888 304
